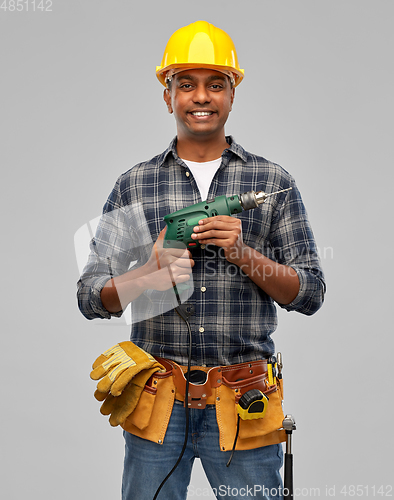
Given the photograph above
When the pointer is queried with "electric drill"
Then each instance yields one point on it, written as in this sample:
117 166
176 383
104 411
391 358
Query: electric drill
180 224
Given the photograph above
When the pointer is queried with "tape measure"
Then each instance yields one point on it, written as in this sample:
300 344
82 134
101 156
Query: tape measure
253 404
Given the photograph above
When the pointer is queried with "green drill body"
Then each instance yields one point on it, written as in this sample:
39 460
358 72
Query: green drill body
180 224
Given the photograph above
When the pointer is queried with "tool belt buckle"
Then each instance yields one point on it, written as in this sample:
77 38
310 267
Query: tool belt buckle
199 389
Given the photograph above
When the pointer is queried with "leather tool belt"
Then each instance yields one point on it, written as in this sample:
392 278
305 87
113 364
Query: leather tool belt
241 377
219 385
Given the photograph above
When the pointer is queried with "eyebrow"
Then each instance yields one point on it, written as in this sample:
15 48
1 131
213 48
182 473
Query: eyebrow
209 79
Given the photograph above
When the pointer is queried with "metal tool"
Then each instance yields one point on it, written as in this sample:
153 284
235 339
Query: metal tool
279 364
289 425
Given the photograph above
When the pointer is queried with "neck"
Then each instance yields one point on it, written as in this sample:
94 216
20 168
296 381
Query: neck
200 151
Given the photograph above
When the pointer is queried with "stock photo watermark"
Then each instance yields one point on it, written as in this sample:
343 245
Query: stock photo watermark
102 261
257 491
26 6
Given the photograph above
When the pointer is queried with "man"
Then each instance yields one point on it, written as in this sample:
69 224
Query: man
244 265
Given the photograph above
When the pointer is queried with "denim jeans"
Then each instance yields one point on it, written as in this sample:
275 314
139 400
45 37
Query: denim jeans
251 474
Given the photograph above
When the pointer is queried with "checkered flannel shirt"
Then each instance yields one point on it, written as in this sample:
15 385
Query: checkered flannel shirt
233 319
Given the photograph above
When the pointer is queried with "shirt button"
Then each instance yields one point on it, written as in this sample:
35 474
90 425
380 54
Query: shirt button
203 289
201 329
187 174
203 246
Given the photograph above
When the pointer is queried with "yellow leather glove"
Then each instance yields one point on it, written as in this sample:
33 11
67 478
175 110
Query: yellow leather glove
120 407
118 365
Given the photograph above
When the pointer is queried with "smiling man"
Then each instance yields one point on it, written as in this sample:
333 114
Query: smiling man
245 265
201 100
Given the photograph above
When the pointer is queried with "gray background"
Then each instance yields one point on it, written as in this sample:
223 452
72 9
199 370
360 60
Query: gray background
80 104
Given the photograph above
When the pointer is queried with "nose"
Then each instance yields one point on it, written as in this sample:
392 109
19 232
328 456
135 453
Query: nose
201 94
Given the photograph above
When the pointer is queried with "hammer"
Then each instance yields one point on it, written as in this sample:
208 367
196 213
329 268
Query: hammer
289 426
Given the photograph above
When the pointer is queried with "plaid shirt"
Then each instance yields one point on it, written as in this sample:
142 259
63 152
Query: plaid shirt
234 318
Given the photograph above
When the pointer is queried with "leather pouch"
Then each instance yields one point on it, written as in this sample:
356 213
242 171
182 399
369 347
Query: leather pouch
142 414
252 433
150 418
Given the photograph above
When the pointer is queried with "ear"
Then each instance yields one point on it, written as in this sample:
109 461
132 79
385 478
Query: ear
167 99
232 98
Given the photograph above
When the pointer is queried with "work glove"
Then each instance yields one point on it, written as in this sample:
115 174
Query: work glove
120 407
117 366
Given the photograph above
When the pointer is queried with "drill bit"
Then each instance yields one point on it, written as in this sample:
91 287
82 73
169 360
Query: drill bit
261 196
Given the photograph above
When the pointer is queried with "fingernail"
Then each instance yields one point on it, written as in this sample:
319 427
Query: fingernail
196 229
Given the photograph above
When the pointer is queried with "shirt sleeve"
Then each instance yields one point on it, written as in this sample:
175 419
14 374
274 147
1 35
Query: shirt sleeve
112 250
293 245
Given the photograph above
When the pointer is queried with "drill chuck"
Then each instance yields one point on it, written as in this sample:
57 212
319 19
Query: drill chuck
249 200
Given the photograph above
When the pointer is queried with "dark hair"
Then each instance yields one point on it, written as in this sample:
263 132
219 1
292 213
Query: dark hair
169 83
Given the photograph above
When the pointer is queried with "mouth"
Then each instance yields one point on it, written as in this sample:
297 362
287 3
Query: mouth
201 113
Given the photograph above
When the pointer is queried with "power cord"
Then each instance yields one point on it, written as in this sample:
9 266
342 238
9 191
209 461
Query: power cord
185 316
235 443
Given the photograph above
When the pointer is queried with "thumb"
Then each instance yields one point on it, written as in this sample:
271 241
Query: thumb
162 234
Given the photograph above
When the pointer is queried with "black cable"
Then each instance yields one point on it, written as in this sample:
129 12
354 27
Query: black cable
235 442
182 314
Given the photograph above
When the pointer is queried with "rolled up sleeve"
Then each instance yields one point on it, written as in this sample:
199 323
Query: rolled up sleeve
111 252
293 245
89 298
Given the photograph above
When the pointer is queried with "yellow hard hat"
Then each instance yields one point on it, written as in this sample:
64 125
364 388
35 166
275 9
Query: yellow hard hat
200 45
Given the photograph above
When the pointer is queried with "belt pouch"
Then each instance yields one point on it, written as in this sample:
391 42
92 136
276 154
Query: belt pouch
150 418
252 433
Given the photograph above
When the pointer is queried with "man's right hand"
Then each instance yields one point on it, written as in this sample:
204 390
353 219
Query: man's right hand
167 266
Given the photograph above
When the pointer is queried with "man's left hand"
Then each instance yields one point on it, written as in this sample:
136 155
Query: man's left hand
223 231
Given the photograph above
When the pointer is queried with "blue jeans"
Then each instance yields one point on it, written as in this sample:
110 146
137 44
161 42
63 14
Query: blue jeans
251 474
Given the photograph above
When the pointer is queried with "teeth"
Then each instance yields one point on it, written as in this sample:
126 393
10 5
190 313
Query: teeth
202 113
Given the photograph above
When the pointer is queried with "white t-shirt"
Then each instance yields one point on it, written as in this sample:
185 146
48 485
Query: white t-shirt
203 173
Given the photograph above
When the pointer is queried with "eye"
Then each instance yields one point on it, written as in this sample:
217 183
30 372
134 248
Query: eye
217 86
185 86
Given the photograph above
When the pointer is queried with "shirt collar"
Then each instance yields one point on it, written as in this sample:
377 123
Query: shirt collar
233 148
